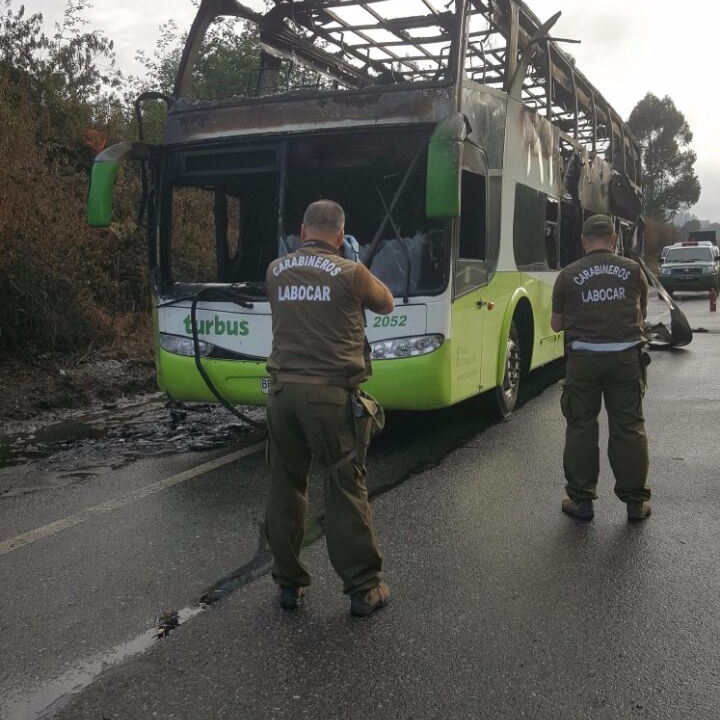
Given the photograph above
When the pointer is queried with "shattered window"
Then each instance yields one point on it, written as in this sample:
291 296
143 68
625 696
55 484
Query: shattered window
193 235
236 208
412 265
372 176
224 233
410 253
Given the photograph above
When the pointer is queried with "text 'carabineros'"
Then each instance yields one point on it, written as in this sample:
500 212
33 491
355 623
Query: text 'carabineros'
314 261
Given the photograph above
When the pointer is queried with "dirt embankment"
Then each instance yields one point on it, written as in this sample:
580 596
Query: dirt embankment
49 384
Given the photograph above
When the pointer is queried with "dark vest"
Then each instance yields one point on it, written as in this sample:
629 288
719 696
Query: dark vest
317 322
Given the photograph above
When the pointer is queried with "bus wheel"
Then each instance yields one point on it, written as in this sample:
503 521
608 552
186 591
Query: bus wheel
507 392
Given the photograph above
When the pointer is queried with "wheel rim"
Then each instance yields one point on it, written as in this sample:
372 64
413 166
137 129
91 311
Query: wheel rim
511 380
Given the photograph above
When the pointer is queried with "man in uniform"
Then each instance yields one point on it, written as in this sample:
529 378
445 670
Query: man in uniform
600 302
319 357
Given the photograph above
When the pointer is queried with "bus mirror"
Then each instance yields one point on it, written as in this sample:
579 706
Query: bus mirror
444 163
99 202
102 181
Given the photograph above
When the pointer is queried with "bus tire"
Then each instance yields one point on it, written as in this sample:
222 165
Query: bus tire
506 394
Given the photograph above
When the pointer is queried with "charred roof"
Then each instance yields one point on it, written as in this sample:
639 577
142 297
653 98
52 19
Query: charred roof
339 45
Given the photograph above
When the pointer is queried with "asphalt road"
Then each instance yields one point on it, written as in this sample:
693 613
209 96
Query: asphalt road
502 608
97 552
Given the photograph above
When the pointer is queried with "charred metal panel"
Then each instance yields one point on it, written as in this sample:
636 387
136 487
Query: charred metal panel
624 197
594 184
190 122
532 155
485 110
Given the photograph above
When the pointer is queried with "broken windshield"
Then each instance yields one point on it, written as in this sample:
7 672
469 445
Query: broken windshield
229 212
379 179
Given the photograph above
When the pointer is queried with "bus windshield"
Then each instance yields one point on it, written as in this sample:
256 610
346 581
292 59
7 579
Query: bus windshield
252 202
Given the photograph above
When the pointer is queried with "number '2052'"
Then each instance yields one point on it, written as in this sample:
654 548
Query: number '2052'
390 321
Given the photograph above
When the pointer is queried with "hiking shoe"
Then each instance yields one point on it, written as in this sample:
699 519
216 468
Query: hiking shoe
637 511
364 602
291 597
580 509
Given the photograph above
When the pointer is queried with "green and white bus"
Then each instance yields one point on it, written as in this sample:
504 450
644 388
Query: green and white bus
464 145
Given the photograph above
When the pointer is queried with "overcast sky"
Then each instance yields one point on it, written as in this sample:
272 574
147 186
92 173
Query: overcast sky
628 48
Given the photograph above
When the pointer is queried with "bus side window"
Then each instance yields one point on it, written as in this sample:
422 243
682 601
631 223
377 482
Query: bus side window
472 217
530 229
471 268
552 228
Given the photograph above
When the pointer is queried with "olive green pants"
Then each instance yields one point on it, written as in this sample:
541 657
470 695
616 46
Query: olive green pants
315 421
619 378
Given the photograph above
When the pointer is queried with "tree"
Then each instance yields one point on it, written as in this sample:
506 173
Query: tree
62 286
161 68
225 66
670 183
21 43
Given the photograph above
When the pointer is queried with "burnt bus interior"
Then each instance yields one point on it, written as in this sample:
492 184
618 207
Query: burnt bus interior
256 196
254 192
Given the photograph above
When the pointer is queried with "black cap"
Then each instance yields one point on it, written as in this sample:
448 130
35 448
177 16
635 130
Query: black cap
598 226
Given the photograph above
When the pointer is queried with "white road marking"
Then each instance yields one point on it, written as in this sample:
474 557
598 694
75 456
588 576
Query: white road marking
42 532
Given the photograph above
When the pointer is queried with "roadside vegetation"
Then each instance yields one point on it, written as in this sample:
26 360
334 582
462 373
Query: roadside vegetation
69 289
63 287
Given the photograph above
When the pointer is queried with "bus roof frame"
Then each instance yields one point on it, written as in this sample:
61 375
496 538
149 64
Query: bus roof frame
485 39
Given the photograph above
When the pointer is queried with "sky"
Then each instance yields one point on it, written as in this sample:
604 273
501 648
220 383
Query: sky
628 48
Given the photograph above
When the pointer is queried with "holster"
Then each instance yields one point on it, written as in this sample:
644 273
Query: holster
368 415
368 419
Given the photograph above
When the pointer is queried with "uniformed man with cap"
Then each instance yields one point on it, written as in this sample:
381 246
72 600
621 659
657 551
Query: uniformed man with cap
319 358
600 301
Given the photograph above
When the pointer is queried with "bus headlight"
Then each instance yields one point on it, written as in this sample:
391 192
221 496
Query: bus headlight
181 345
405 347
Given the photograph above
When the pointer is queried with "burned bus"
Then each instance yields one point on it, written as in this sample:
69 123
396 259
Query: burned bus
464 145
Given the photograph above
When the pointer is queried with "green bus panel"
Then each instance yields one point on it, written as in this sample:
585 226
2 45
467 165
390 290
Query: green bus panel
416 383
238 382
469 362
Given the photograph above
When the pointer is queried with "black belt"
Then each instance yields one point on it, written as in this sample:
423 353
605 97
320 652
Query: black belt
311 380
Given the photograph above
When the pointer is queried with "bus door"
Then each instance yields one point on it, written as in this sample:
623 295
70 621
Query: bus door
470 276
